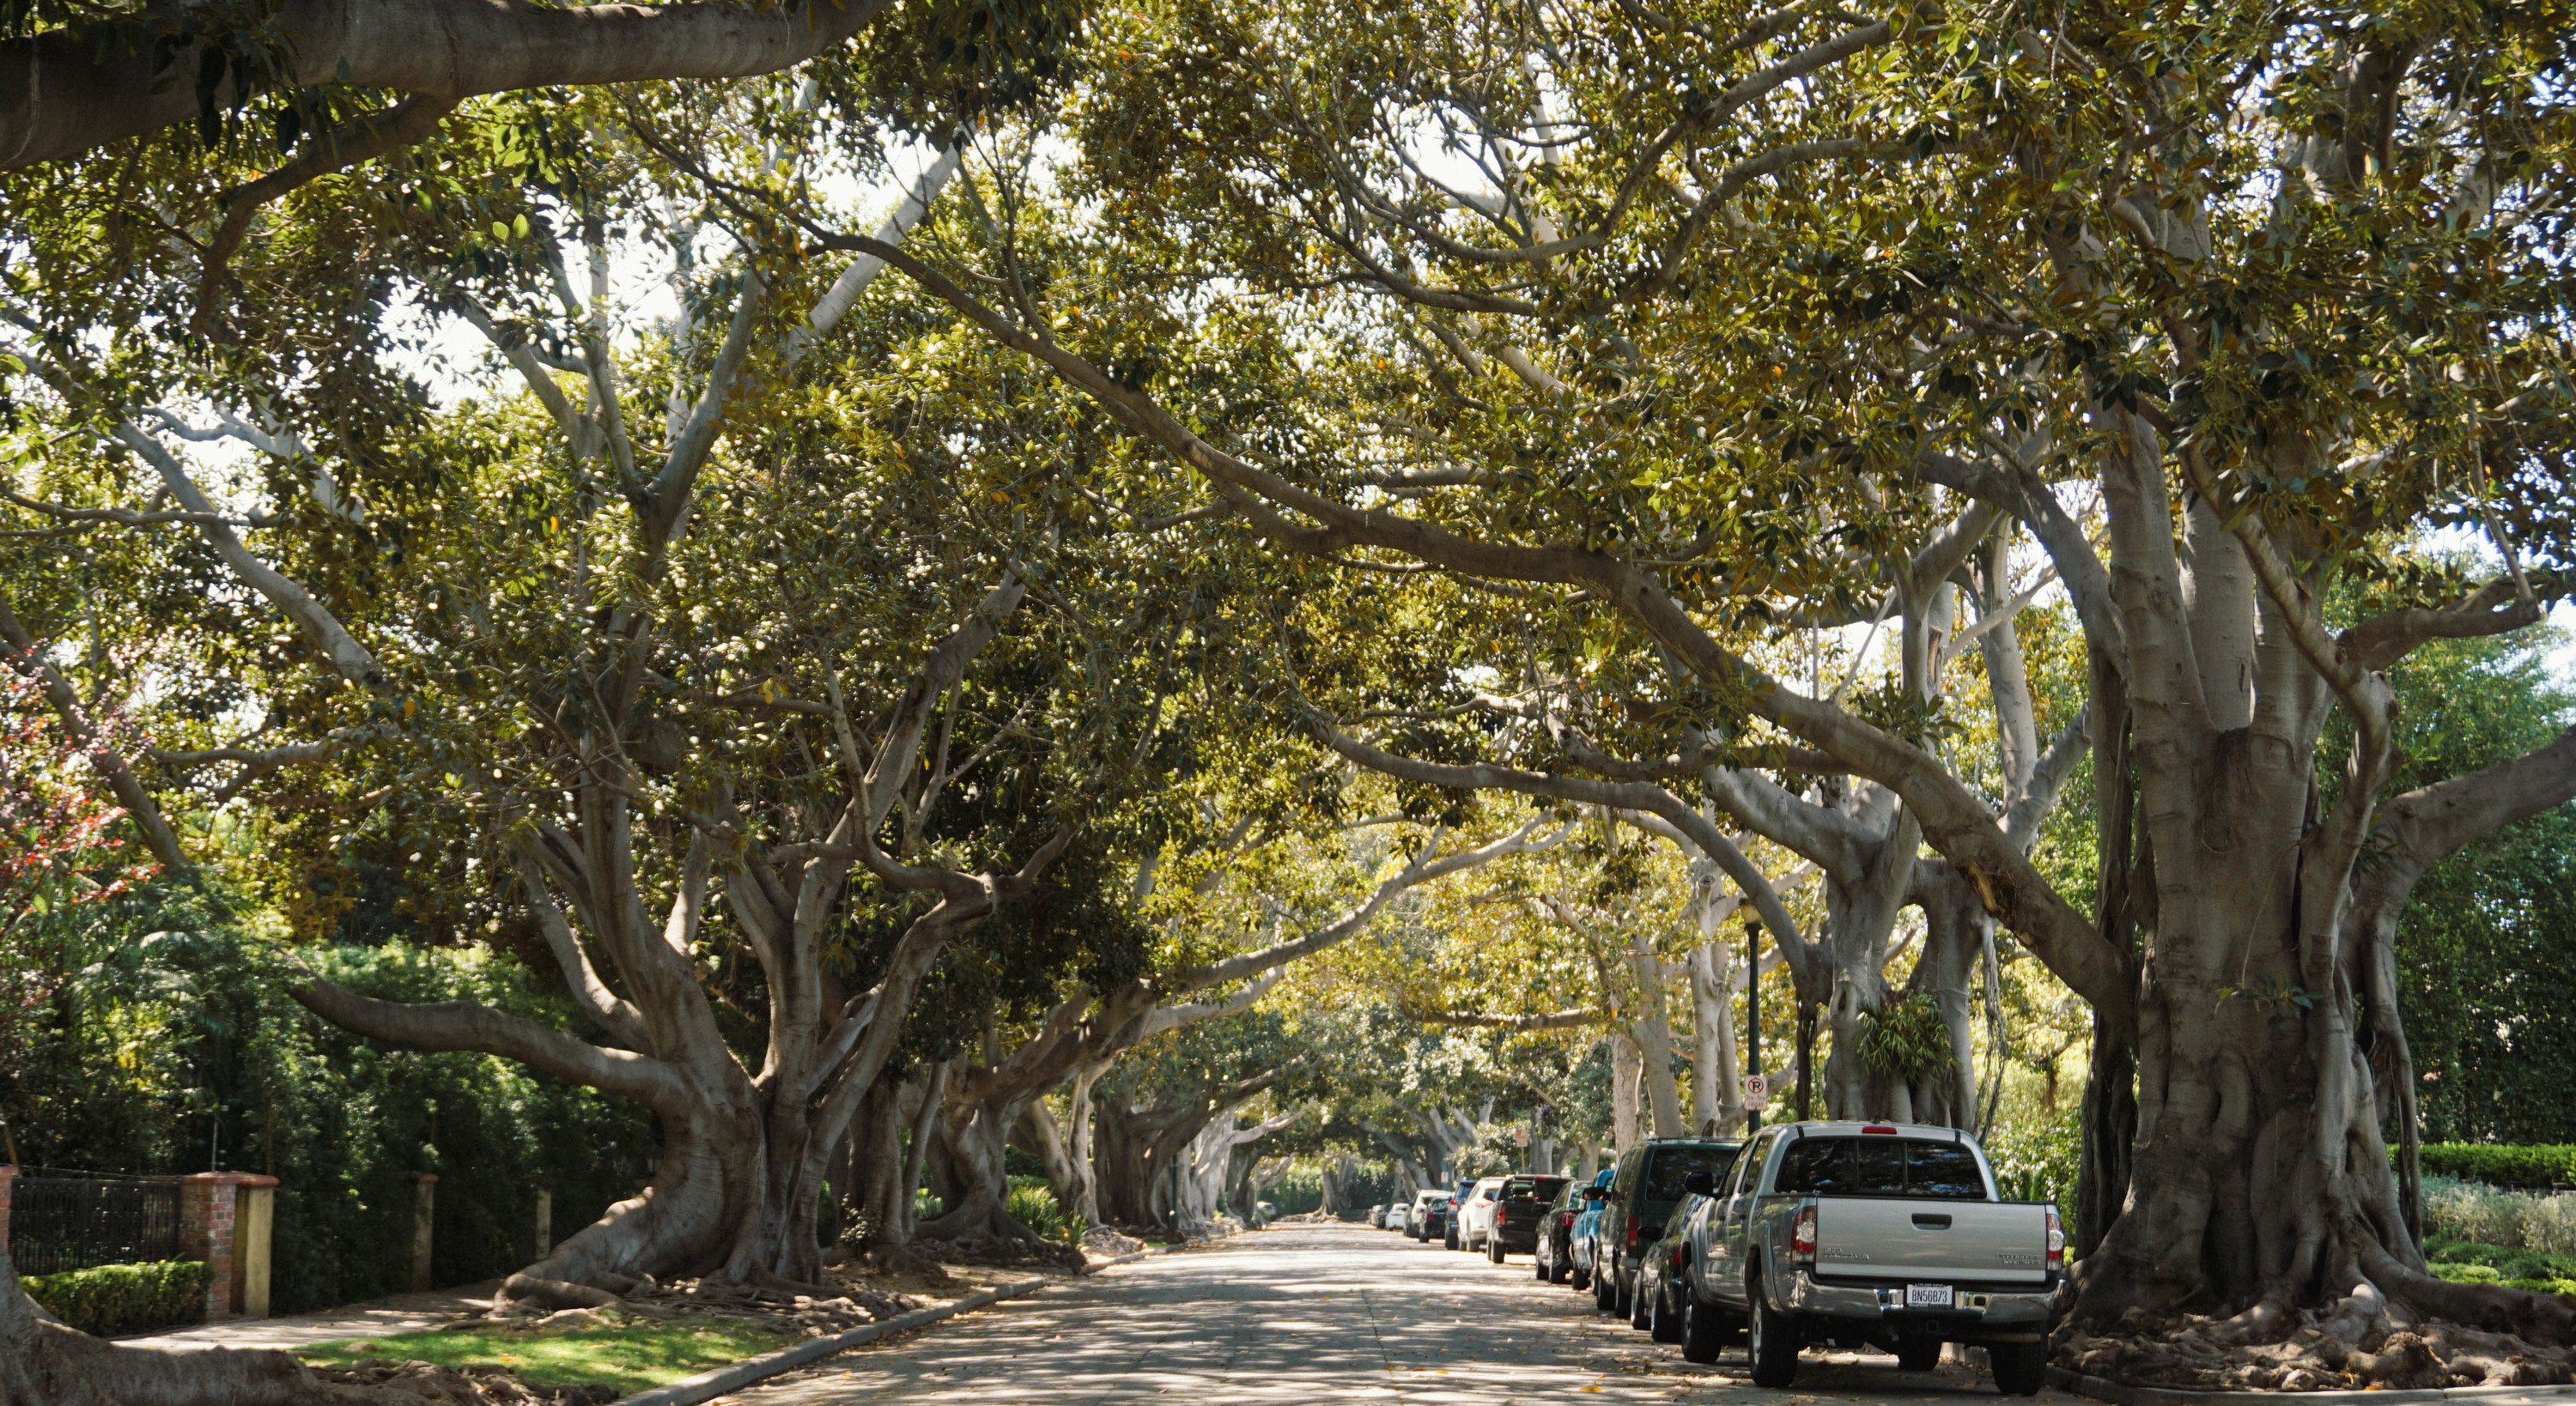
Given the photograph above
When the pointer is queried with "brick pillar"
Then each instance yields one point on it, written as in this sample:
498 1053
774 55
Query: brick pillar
208 1205
254 1212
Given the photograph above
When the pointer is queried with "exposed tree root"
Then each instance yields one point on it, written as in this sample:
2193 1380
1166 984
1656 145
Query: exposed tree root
2363 1341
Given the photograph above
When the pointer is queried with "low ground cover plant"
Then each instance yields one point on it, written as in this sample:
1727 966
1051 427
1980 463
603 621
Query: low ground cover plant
630 1357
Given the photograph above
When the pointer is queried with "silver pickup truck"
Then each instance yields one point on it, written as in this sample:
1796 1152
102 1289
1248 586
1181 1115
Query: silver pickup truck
1869 1235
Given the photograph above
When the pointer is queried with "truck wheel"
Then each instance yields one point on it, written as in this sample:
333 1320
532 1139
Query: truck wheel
1539 1264
1705 1329
1494 1248
1667 1325
1605 1294
1579 1277
2021 1369
1641 1302
1918 1356
1623 1298
1772 1340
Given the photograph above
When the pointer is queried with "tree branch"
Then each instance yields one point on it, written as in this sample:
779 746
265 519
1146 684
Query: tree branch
464 1025
71 90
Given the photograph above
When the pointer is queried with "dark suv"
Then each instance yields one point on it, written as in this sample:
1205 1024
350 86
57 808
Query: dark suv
1520 1210
1648 1182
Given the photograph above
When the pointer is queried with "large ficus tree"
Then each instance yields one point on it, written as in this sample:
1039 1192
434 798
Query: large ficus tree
1700 323
754 651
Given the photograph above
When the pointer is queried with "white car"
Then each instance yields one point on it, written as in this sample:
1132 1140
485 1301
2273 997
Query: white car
1428 1215
1476 1217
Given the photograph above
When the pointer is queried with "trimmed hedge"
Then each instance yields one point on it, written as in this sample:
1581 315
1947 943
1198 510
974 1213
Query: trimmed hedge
123 1298
2534 1167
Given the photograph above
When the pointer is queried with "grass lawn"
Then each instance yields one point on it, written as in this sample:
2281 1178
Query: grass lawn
2468 1262
630 1358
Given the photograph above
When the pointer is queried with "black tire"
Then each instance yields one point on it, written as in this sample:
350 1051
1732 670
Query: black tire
1605 1291
1772 1340
1450 1240
1918 1356
1707 1329
1623 1300
1494 1248
1665 1323
1539 1265
2021 1369
1579 1277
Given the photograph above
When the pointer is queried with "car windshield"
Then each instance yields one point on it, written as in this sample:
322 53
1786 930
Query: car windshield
1522 1188
1672 1166
1881 1166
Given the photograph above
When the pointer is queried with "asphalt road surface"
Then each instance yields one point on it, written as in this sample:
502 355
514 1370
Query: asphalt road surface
1323 1314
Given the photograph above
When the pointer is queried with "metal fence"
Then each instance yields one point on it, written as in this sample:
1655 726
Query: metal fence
60 1223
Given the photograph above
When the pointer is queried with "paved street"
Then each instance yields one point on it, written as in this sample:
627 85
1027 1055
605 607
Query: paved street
1320 1314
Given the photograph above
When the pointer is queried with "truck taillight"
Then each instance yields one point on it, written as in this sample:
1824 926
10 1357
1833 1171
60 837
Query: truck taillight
2056 1243
1632 1235
1679 1249
1802 1236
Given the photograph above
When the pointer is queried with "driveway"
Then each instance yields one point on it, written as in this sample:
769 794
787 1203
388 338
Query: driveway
1322 1314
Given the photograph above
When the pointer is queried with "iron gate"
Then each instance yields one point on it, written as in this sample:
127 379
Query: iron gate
60 1223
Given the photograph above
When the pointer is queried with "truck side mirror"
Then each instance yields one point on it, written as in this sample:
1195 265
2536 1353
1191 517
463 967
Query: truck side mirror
1700 1184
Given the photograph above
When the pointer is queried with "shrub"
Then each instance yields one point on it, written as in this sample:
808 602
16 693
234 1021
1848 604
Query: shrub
2486 1215
2537 1167
123 1298
1032 1203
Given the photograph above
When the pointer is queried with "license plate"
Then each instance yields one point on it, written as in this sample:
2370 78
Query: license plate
1927 1296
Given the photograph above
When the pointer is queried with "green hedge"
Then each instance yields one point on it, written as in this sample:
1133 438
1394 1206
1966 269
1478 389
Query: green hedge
2536 1167
123 1298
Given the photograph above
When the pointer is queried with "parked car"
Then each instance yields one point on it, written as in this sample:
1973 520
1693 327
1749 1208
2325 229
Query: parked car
1554 1253
1660 1308
1872 1235
1428 1216
1643 1190
1476 1213
1583 1239
1457 1203
1395 1212
1520 1204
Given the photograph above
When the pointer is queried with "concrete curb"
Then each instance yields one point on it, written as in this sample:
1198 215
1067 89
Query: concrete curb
2102 1389
705 1386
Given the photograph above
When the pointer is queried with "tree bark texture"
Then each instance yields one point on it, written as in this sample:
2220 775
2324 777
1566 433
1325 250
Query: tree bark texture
67 91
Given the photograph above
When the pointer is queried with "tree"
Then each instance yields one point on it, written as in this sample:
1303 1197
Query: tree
2035 250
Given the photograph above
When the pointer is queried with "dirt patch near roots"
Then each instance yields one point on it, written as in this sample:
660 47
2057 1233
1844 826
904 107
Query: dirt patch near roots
2355 1345
425 1384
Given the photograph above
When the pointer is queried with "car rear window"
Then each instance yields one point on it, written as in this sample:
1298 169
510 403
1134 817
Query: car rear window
1880 1166
1669 1167
1520 1187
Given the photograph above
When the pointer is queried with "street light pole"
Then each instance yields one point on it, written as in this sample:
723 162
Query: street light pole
1752 1015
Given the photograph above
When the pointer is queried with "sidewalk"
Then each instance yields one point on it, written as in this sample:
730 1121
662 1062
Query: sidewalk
403 1313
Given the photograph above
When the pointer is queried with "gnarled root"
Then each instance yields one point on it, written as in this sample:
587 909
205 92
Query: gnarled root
2363 1340
528 1293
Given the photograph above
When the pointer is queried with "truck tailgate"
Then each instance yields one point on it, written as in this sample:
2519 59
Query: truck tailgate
1917 1238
